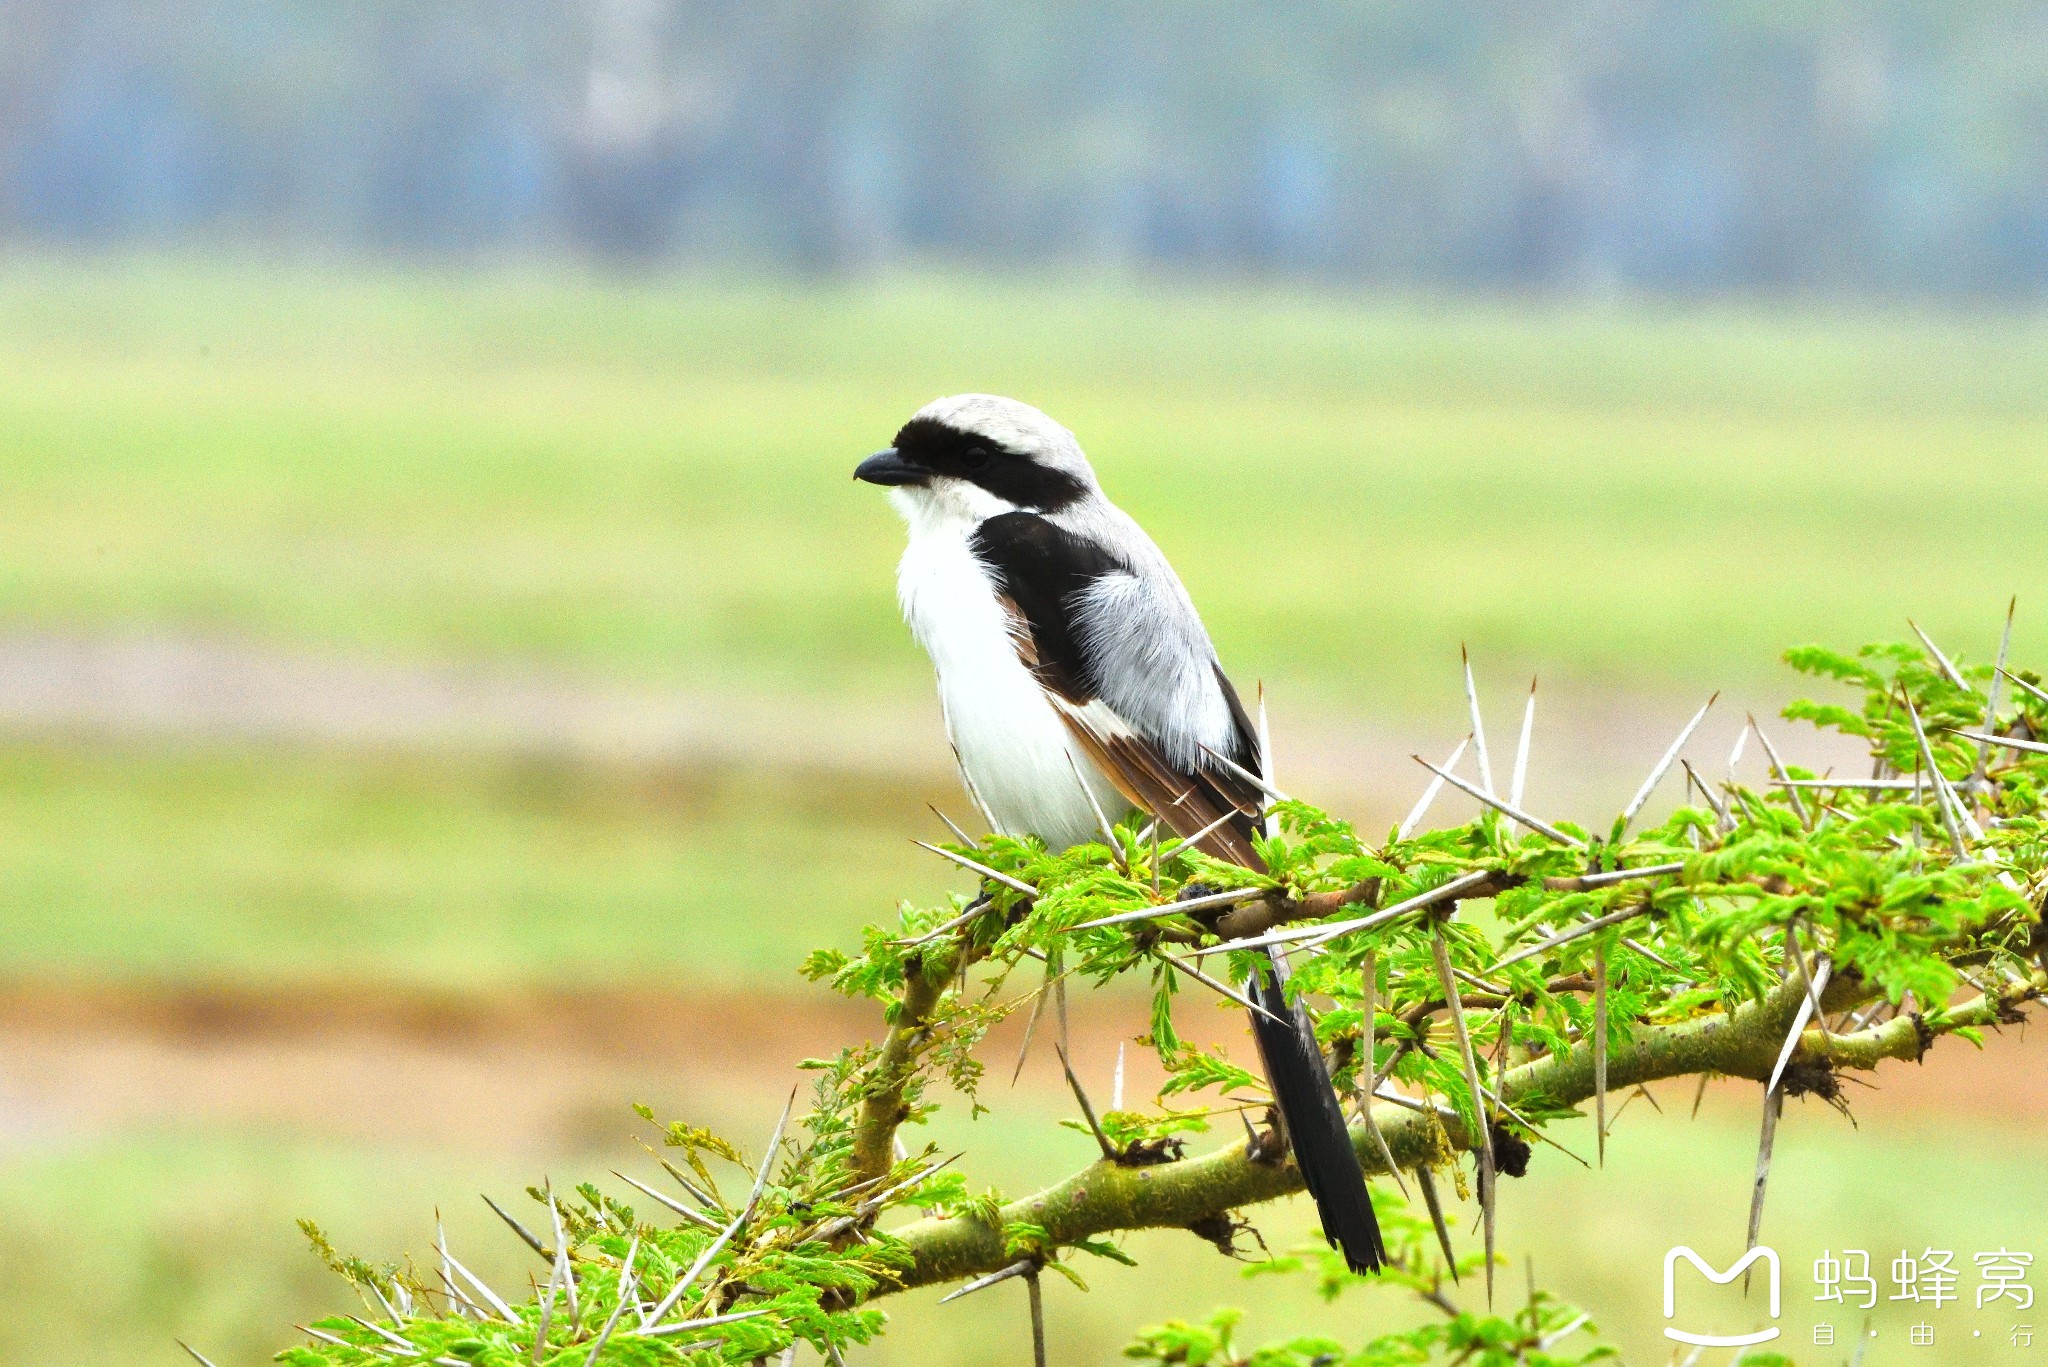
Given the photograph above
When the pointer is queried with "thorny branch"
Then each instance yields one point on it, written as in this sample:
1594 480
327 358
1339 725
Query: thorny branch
1104 1198
882 1110
1654 952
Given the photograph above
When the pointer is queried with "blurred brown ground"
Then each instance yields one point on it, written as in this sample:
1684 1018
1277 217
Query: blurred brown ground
529 1068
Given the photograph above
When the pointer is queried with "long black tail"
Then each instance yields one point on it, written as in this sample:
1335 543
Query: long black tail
1314 1124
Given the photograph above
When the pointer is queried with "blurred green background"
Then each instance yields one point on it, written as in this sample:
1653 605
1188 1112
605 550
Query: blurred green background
449 680
417 684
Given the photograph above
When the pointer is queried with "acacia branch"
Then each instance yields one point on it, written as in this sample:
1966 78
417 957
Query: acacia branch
1262 914
1105 1198
882 1108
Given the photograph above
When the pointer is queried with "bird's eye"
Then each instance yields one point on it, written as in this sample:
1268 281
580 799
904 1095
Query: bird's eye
974 457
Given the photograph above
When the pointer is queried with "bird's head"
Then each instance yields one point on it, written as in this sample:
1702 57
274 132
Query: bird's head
977 456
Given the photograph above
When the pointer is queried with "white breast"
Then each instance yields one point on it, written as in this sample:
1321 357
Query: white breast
1013 748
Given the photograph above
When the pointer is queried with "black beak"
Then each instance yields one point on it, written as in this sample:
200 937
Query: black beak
889 467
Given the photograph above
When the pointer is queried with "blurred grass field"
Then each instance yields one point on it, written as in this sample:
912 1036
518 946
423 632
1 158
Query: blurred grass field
648 482
200 1239
653 479
275 865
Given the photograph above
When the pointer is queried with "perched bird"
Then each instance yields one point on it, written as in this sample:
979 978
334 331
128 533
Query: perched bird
1069 654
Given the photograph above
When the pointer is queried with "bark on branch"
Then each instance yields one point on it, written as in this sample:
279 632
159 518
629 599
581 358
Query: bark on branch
882 1109
1104 1197
1276 909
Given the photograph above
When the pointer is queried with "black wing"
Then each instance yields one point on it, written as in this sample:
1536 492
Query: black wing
1040 570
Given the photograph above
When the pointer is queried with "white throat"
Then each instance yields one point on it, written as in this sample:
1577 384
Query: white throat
946 503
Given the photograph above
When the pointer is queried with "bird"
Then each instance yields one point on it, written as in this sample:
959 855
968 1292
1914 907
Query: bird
1075 677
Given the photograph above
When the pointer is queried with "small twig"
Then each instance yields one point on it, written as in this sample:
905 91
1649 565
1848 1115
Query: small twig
1016 1269
1638 947
1663 765
958 834
984 870
1031 1025
1230 897
1947 667
449 1259
1440 946
1806 975
1576 932
1315 935
1521 773
562 1260
1496 989
1600 1048
1551 1340
1807 1010
1037 1319
1514 813
1872 785
1735 752
684 1282
526 1236
1205 980
1059 997
1247 775
1178 847
627 1290
1535 1130
1997 688
869 1206
659 1331
1478 727
1409 1103
675 1293
1422 804
1116 848
1774 1105
1784 776
1109 1153
2039 694
1941 793
1588 882
1722 819
668 1202
547 1313
398 1341
1435 1204
2031 747
1369 1009
697 1193
768 1157
458 1300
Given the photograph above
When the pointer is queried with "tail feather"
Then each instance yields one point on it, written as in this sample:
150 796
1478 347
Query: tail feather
1315 1126
1190 803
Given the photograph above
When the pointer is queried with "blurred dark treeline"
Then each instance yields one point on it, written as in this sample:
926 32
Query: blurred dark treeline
1879 147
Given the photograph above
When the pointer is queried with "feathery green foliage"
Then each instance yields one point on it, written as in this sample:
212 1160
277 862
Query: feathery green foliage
1782 932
